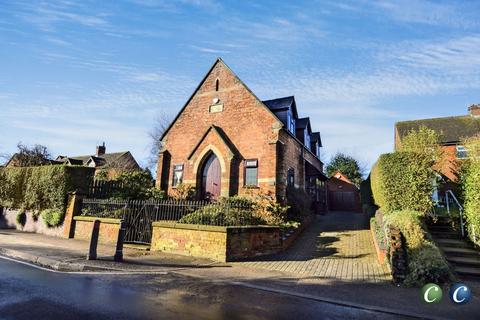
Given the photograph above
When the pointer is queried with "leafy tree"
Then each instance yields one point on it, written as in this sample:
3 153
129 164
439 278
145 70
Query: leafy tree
347 165
36 155
137 185
423 141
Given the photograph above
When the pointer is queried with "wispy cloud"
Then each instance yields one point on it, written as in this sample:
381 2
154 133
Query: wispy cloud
448 55
209 50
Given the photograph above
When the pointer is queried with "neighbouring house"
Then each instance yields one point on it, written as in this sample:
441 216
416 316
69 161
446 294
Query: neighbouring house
110 163
225 141
343 194
453 131
15 161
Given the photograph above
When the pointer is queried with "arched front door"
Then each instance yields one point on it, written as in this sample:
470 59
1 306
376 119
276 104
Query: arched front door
211 178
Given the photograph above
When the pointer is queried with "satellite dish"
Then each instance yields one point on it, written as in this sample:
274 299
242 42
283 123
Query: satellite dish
216 100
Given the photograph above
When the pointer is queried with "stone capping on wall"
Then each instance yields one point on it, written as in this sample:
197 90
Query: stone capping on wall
102 220
201 227
187 226
381 253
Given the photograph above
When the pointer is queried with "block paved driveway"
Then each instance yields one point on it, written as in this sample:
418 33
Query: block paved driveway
337 245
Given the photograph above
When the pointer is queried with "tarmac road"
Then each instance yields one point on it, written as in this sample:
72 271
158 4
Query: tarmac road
31 293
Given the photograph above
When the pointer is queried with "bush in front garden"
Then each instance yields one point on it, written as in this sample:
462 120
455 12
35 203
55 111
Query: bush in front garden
471 191
221 214
425 261
53 217
403 181
21 218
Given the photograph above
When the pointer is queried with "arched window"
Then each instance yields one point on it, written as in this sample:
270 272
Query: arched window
217 84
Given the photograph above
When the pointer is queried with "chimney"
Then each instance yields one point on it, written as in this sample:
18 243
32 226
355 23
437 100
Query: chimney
101 150
474 110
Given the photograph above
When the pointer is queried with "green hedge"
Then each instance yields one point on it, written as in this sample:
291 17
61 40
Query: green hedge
44 187
471 189
425 261
403 181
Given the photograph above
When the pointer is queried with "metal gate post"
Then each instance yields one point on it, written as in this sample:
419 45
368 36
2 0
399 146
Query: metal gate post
121 238
92 251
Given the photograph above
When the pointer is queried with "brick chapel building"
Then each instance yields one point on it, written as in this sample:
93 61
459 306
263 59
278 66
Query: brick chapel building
225 141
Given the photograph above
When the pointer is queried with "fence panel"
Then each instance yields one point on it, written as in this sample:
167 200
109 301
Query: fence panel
139 214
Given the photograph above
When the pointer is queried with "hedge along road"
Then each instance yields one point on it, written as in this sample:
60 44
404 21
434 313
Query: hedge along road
30 292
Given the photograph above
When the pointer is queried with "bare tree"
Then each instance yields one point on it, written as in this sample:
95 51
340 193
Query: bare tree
36 155
162 122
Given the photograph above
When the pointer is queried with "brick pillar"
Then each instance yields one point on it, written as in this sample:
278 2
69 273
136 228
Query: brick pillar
73 209
398 256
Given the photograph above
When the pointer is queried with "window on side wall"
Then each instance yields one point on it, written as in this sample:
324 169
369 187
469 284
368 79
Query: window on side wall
177 175
461 152
251 173
291 177
291 122
307 140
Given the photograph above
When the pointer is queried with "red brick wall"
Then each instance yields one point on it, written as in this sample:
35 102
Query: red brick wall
213 242
290 156
248 242
109 229
250 127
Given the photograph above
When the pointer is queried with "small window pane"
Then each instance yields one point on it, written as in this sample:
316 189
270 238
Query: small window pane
251 172
291 177
461 152
177 174
251 176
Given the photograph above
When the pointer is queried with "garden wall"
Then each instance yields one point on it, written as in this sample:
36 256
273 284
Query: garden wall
213 242
8 220
109 229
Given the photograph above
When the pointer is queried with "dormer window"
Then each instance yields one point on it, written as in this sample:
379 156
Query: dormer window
291 122
307 140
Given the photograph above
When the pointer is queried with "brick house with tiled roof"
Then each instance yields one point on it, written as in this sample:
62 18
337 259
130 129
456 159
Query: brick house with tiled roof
453 131
111 163
225 141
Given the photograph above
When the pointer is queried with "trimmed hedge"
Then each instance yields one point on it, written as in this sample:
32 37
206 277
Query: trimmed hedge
425 261
403 181
471 189
44 187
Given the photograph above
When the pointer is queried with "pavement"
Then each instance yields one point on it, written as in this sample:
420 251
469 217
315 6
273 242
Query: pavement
379 296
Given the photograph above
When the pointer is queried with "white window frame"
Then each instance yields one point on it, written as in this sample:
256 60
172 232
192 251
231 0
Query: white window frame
461 152
251 164
177 168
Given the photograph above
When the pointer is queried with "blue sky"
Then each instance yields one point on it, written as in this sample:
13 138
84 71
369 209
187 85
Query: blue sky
74 74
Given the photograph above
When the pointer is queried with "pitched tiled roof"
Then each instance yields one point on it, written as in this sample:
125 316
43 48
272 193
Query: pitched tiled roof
303 123
316 137
280 104
452 129
103 160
